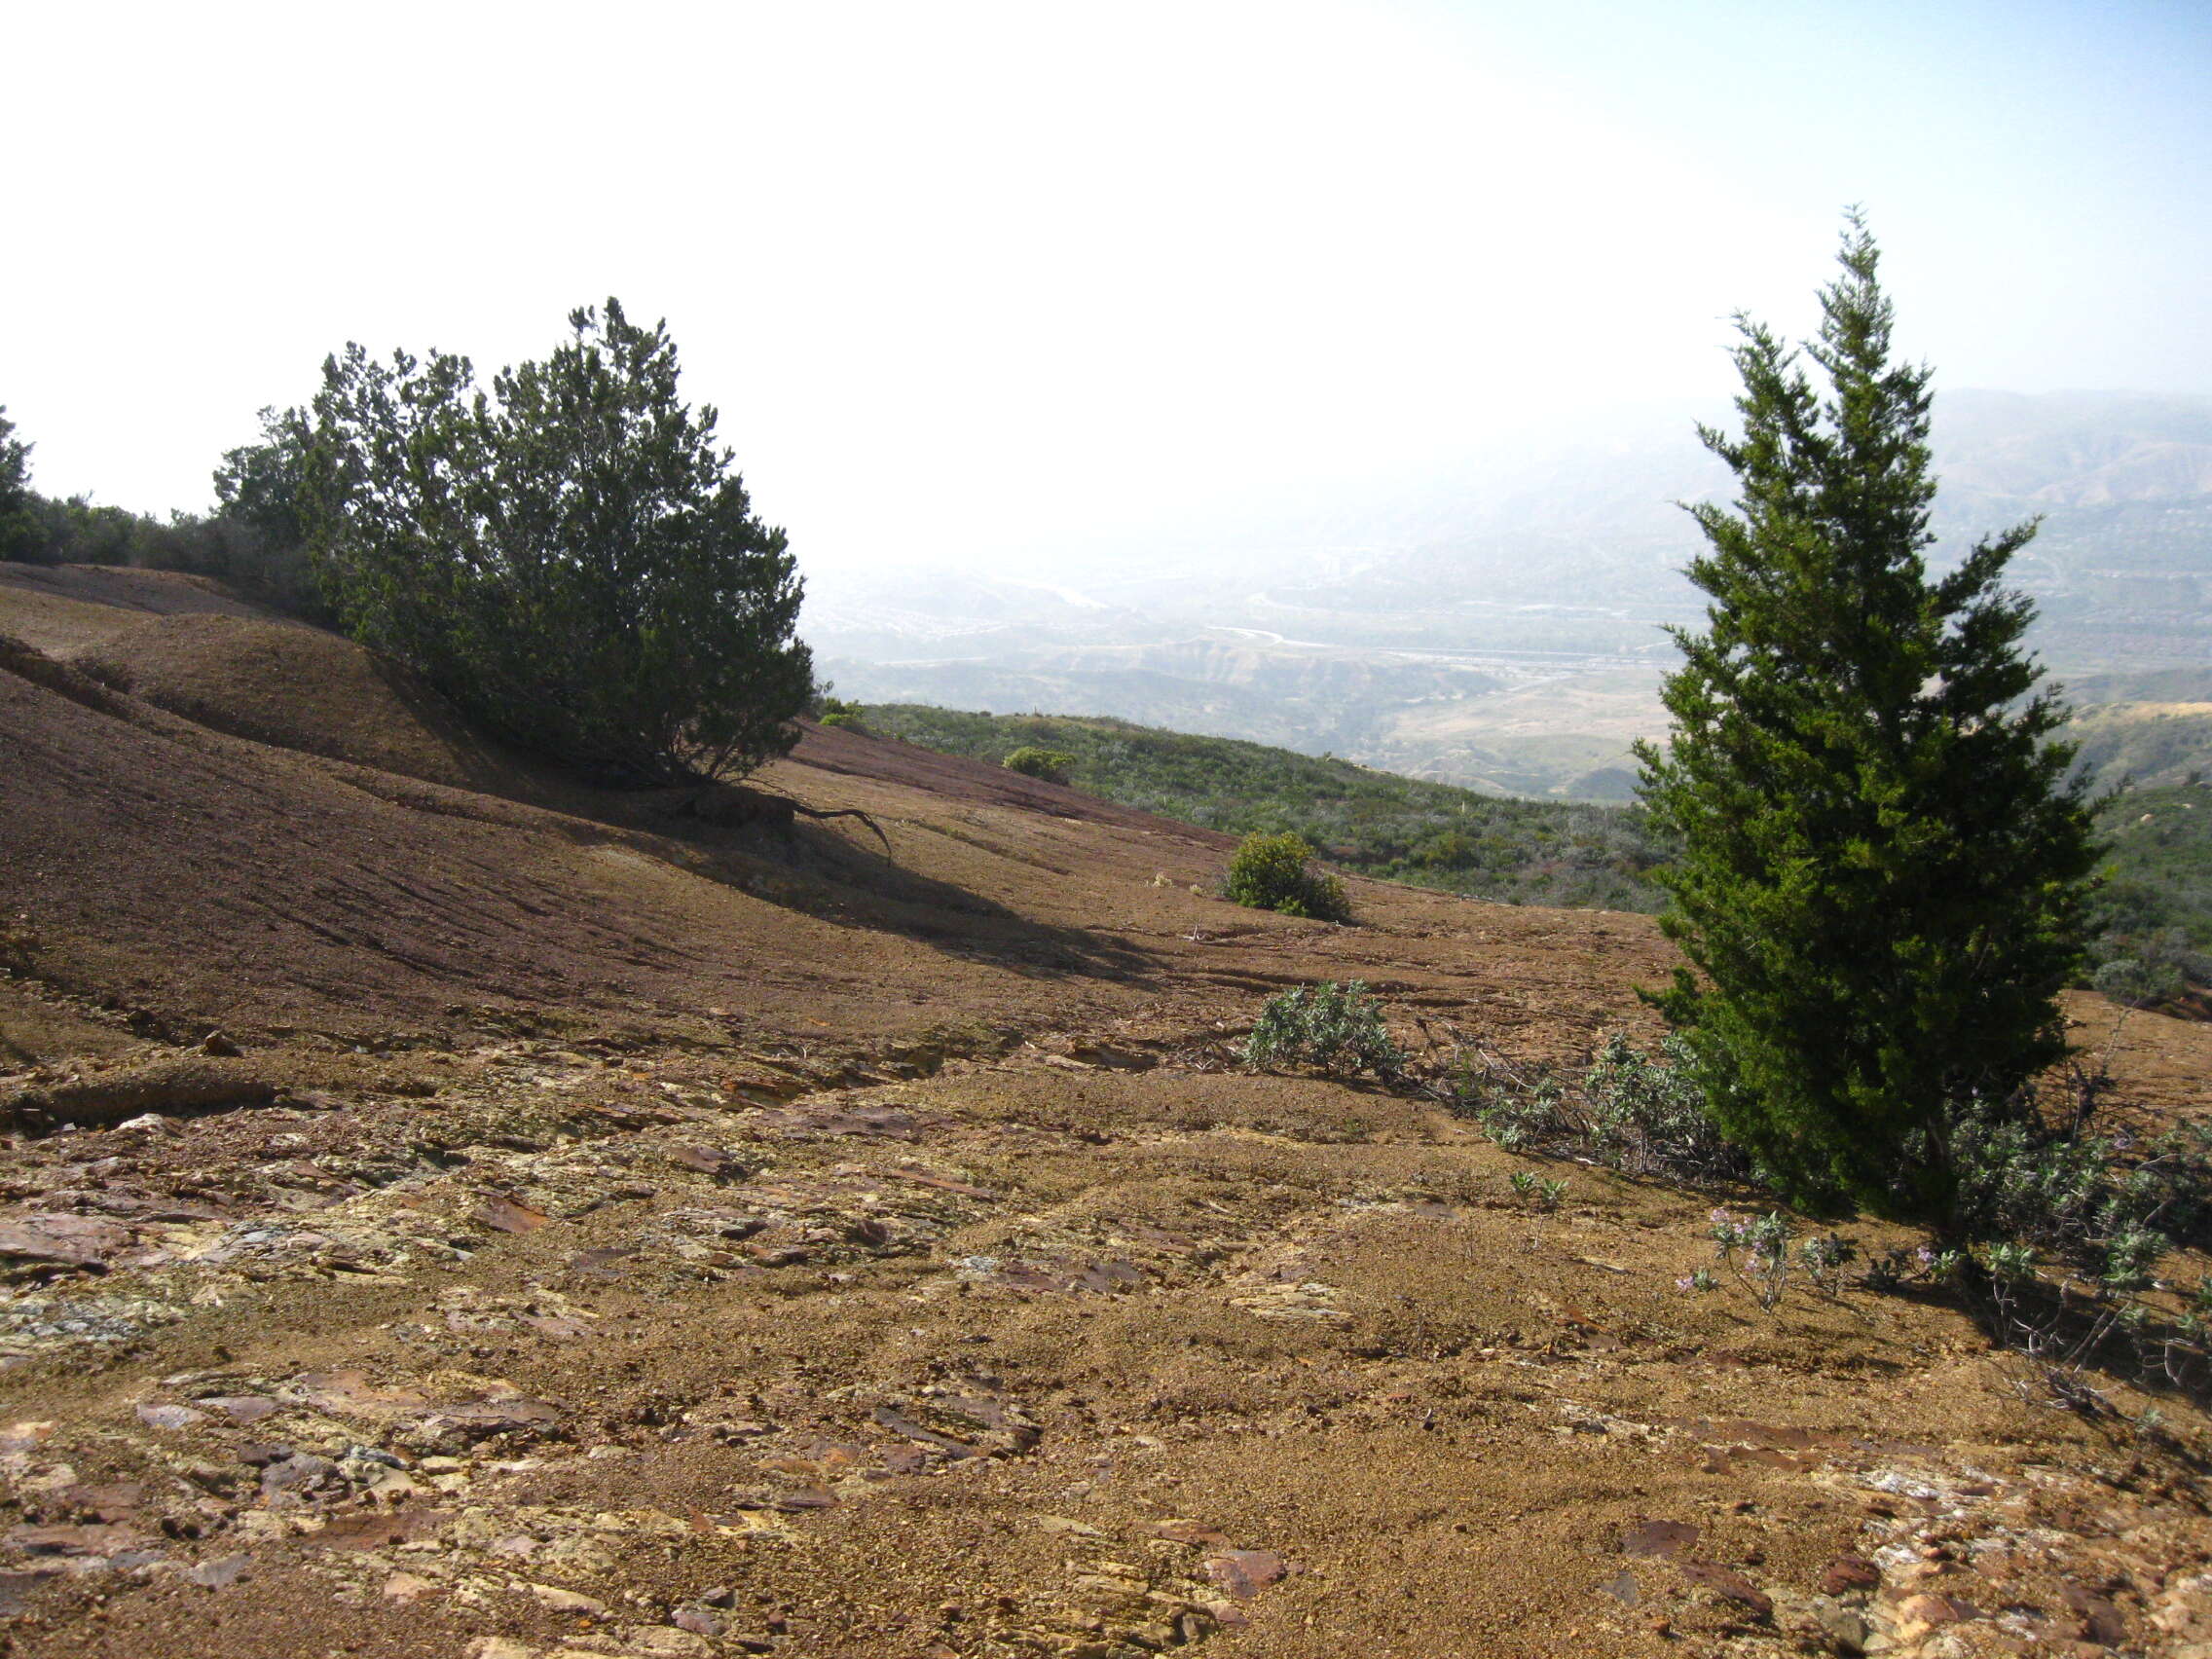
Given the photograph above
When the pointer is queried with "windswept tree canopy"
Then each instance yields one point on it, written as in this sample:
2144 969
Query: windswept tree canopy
568 556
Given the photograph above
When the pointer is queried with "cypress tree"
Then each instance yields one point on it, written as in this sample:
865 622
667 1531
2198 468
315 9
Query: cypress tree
1884 863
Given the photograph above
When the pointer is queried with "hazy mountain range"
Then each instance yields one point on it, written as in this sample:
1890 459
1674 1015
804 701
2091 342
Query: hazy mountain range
1497 622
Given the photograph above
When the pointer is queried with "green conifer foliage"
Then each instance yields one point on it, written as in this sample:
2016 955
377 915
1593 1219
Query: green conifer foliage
18 526
1884 866
570 558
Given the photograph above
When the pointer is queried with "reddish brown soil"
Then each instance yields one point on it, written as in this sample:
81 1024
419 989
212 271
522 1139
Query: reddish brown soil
298 688
696 1239
66 608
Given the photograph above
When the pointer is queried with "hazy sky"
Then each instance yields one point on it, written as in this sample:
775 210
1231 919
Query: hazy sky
1001 280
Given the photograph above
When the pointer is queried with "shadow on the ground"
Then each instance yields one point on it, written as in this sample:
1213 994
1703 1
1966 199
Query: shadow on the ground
2070 1344
851 877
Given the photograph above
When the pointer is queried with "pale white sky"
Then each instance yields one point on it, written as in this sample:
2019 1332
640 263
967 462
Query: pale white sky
994 280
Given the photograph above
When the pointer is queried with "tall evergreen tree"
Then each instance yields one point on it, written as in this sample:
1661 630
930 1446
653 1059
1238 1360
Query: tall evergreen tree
1883 862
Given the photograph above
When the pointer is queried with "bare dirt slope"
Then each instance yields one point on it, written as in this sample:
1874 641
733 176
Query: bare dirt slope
633 1233
62 609
298 688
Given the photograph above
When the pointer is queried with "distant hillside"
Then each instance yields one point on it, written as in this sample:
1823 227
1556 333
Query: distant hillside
2161 860
2155 905
1498 624
1376 822
2154 910
2145 745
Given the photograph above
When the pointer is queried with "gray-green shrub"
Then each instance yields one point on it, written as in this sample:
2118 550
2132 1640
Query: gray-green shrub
2102 1203
1332 1026
1627 1110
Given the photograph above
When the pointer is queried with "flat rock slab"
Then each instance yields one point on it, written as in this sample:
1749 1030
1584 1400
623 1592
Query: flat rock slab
1244 1574
506 1215
1663 1540
1730 1585
885 1123
66 1241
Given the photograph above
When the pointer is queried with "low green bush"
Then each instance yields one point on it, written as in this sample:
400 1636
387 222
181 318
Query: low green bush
1332 1026
1275 872
1049 764
1756 1248
1538 1191
2140 981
